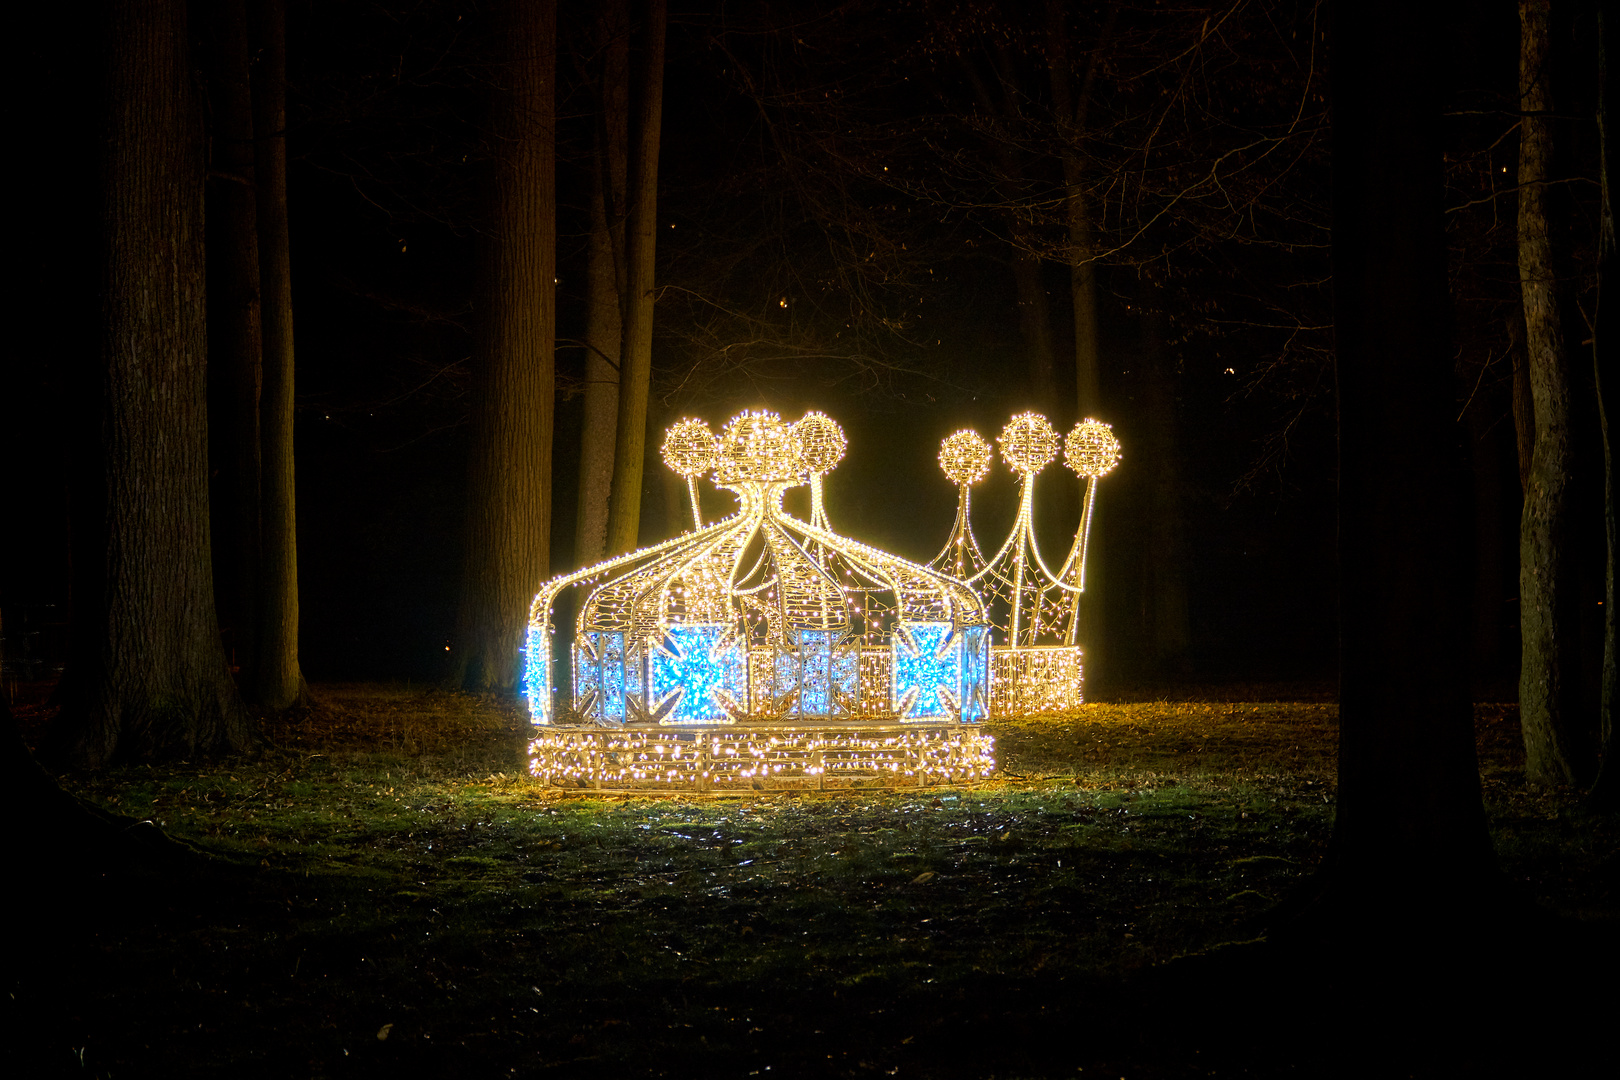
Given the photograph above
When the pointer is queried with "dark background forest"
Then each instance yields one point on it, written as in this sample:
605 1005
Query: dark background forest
847 198
1332 272
838 161
868 209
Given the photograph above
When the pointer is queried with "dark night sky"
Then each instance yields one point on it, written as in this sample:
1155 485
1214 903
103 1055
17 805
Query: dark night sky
381 246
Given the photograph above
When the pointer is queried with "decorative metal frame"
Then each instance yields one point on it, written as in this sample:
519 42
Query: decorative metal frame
1037 667
762 650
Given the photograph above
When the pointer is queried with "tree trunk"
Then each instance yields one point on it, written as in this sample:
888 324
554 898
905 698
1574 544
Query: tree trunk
1524 405
147 673
234 334
1493 655
1548 690
1410 818
1029 288
1069 110
1071 113
1035 324
635 358
1083 293
1164 578
1606 790
279 682
514 388
605 275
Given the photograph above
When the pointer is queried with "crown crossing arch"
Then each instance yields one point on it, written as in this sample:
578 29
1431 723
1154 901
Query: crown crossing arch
760 650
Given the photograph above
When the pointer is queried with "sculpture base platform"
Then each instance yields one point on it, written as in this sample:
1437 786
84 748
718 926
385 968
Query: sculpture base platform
746 757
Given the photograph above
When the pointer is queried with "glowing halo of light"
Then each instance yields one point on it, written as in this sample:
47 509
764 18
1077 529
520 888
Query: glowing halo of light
821 442
758 447
965 457
690 448
1091 449
1029 442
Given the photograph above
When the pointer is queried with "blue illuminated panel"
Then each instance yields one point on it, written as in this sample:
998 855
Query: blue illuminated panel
815 696
599 675
610 647
635 677
927 683
845 675
975 672
785 668
830 675
536 674
692 675
587 676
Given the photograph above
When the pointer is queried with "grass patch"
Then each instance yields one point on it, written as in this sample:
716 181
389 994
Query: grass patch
397 897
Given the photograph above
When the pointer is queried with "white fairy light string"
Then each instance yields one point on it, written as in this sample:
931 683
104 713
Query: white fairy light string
1092 451
1037 667
966 459
761 650
821 447
689 450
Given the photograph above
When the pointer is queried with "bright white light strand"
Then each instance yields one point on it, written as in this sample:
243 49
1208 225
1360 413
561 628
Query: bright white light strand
762 618
1029 442
821 447
965 457
821 442
690 450
757 446
1091 449
1036 668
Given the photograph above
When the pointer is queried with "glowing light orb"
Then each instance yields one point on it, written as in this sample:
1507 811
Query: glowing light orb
1091 449
1029 442
758 447
965 457
821 442
690 448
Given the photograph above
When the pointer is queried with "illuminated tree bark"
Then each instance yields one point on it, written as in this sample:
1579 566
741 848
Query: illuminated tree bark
1548 691
235 342
278 681
147 675
1409 808
635 358
514 387
604 288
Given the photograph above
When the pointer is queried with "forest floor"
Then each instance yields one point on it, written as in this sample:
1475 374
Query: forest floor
391 895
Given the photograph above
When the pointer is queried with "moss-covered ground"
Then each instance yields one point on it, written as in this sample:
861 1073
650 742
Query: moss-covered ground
391 895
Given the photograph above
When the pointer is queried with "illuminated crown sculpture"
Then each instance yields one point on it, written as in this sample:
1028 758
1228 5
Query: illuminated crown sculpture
761 651
1037 667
